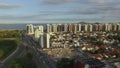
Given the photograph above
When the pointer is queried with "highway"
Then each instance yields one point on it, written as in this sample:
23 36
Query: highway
42 58
18 52
36 56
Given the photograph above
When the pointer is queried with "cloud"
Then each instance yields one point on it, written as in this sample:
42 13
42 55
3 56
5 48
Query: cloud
93 8
100 1
57 2
69 10
9 6
88 6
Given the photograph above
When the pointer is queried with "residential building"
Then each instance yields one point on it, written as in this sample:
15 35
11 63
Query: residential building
65 27
70 27
47 40
86 27
41 41
79 27
90 27
38 31
29 29
54 28
49 28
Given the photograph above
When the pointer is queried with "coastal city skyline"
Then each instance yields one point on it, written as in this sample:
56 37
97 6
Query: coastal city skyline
59 33
63 11
91 45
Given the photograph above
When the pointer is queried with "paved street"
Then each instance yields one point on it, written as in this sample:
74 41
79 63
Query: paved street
39 61
14 55
41 58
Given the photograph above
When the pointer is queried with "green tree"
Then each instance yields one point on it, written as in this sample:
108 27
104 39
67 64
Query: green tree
1 53
65 63
99 43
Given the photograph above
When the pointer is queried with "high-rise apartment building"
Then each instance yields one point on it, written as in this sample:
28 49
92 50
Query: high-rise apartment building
90 27
100 27
114 27
44 40
75 28
82 27
79 27
41 41
47 40
49 28
29 29
118 27
54 28
59 28
86 27
106 27
65 27
38 32
70 27
109 27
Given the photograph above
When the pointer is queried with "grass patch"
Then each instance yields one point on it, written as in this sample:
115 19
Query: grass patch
10 33
7 46
25 61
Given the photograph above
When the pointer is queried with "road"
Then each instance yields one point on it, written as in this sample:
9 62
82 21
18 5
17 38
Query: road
41 57
18 52
36 56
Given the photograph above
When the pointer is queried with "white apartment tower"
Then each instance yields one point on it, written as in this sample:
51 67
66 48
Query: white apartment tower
47 40
49 28
65 27
79 27
75 28
38 32
29 29
86 27
109 27
106 27
44 40
118 27
114 27
54 27
91 27
41 41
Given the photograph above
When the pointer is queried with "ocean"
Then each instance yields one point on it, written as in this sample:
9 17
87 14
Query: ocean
15 26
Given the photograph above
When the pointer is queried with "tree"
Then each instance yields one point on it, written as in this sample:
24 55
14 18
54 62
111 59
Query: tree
65 63
99 43
1 53
23 62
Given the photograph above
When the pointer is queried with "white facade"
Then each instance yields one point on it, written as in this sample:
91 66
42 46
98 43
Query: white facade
41 28
48 40
30 29
91 27
54 26
75 28
118 27
38 32
115 27
79 27
65 27
106 27
86 27
41 41
49 28
109 27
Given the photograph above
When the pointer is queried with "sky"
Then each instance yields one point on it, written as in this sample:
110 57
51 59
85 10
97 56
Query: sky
59 11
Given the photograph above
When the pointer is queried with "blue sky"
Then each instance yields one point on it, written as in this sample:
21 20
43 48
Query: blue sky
59 11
